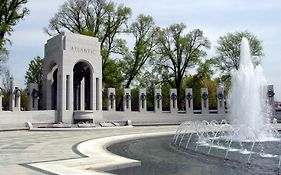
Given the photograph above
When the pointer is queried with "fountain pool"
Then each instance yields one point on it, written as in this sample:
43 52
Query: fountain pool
159 157
249 144
249 138
220 140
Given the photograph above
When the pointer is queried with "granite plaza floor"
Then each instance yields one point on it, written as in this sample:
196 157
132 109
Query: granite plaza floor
19 148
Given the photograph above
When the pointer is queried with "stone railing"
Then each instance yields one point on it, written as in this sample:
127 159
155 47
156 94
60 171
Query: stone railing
173 98
15 97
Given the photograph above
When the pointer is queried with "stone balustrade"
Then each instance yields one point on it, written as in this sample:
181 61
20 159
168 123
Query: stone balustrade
33 94
173 100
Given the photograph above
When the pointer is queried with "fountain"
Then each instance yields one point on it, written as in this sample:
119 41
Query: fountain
246 143
249 137
248 96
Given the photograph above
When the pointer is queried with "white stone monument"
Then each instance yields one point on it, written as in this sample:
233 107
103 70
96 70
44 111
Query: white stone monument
72 77
204 101
173 101
142 100
111 99
127 100
1 98
157 100
15 96
270 95
33 95
220 100
189 100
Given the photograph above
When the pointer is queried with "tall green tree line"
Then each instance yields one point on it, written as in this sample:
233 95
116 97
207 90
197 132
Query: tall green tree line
157 57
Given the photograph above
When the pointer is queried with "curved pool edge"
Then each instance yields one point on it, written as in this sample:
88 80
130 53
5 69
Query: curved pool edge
97 159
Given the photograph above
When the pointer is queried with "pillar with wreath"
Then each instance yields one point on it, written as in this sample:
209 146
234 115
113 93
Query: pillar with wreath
14 96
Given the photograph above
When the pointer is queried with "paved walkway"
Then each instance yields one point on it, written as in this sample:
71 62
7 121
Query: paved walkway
19 148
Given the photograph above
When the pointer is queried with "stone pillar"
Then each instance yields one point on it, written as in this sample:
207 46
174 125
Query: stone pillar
189 100
157 100
173 101
270 95
204 101
33 95
111 99
142 100
82 95
1 98
220 100
127 100
15 96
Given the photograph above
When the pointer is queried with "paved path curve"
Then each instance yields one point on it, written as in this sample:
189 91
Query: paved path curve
20 148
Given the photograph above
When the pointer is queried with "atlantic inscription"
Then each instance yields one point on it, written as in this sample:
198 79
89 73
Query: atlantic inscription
82 50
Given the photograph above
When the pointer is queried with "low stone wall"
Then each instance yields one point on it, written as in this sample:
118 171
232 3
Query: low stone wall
153 118
16 120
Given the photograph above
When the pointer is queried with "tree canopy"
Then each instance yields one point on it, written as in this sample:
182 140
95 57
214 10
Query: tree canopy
228 51
99 18
34 74
178 52
144 32
11 12
155 56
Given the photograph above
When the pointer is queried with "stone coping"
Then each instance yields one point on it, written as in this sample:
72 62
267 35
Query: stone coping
96 158
78 129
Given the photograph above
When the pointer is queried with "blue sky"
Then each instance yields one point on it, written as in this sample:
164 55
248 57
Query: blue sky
214 17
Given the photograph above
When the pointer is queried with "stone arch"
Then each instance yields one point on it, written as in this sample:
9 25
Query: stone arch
73 58
82 85
52 77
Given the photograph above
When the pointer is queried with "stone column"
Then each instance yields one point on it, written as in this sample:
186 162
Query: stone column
142 100
15 96
220 100
1 98
173 101
111 99
33 95
157 100
270 95
82 95
204 101
127 100
189 100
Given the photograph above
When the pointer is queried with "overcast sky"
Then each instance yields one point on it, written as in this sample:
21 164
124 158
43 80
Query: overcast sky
214 17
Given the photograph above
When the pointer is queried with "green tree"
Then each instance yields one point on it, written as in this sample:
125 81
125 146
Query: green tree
11 12
196 83
5 100
228 52
201 79
24 99
99 18
34 74
114 76
145 33
179 52
133 61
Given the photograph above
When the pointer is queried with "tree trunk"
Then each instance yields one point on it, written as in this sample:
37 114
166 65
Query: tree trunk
178 86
